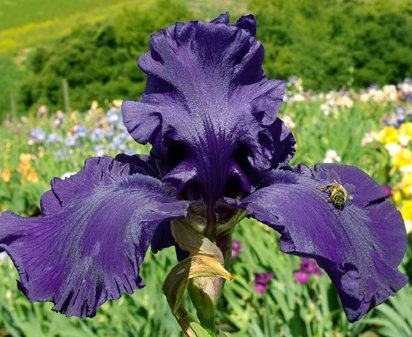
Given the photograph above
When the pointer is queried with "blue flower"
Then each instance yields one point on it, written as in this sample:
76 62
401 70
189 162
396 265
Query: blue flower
38 135
99 150
70 140
98 134
53 138
80 131
113 116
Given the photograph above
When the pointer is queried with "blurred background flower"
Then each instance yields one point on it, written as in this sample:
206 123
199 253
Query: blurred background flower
261 281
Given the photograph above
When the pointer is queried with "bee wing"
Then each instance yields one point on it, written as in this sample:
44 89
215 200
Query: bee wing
350 188
335 176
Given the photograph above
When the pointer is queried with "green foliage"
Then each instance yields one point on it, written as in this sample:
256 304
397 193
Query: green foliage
98 61
330 44
395 318
314 132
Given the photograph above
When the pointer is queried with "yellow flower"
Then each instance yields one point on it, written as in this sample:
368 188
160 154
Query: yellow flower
406 129
117 103
24 167
73 115
32 176
28 173
403 158
407 179
25 157
407 214
406 191
94 105
397 197
388 135
6 175
405 134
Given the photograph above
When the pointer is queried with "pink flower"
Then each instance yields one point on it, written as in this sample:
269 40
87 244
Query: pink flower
236 248
307 269
387 189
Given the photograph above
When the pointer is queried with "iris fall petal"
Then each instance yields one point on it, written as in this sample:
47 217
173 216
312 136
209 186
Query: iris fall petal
359 244
89 245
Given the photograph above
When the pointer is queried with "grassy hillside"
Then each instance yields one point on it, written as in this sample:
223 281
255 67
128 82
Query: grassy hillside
25 24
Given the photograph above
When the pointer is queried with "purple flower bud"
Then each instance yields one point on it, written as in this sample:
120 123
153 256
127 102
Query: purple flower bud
236 248
260 288
387 189
307 269
261 281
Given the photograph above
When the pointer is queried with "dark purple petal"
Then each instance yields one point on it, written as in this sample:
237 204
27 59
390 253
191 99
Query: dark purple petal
359 244
208 109
89 246
163 238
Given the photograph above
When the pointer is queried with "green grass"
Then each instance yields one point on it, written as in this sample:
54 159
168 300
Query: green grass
14 13
27 24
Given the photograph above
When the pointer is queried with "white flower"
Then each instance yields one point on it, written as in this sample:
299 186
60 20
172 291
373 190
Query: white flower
67 175
288 122
367 138
331 157
393 148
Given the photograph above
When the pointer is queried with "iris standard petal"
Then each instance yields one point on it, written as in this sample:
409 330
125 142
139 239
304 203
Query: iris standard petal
358 243
89 246
208 99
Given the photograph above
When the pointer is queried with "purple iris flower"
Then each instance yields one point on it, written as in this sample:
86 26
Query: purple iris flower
210 114
261 282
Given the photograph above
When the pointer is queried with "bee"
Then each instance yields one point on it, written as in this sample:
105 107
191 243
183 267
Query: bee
337 194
